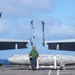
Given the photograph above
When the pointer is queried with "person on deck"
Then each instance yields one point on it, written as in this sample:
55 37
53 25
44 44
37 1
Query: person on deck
33 57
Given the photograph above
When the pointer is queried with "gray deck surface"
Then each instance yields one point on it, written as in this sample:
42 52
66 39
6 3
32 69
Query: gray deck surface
21 70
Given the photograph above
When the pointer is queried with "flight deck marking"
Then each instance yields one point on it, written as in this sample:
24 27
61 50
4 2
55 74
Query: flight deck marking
57 72
49 72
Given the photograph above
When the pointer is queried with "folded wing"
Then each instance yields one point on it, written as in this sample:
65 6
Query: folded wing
68 44
13 44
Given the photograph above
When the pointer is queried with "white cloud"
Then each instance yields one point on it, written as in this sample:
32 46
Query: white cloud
15 24
23 8
14 30
15 13
60 31
3 26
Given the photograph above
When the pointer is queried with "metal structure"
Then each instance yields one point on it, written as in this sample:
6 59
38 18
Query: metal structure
31 40
43 35
0 14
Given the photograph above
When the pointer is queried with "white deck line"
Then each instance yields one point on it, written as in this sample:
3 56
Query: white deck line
49 73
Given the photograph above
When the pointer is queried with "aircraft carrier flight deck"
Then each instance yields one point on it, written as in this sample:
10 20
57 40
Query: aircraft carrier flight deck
21 70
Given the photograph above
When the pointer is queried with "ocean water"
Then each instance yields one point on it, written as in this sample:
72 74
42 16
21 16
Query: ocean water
4 62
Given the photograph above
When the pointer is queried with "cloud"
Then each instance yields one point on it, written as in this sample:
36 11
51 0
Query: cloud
16 30
57 30
22 8
15 21
22 29
3 26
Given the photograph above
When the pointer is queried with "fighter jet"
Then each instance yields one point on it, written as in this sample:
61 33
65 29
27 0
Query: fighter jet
44 60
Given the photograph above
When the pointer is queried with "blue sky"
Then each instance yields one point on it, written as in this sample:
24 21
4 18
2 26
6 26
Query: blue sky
58 15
